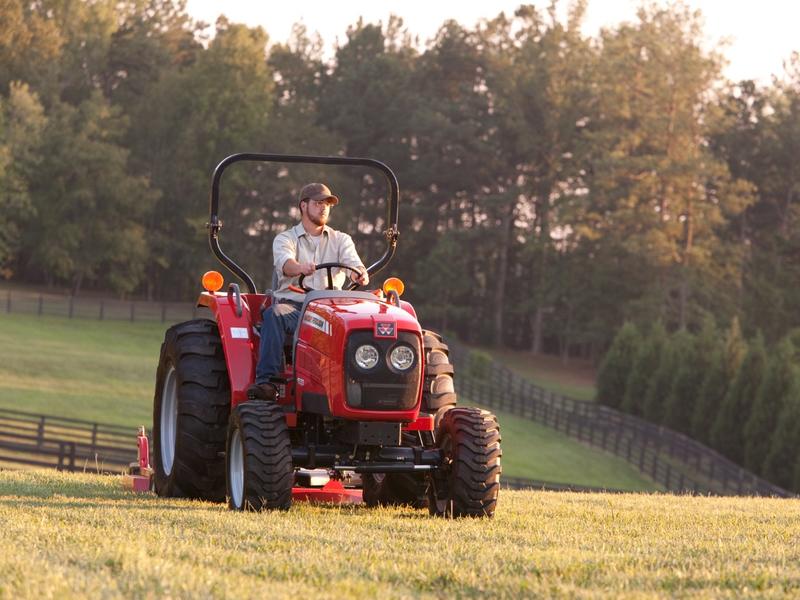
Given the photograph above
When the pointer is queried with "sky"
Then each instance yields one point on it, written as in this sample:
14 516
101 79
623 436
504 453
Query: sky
759 35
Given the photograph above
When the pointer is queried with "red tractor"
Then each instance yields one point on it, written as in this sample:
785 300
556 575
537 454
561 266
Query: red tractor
366 394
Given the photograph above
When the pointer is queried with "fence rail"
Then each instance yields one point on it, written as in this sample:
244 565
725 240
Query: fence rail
102 309
66 444
520 483
671 459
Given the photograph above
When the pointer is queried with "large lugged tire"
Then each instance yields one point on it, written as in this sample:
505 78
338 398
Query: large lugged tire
259 458
190 413
438 392
393 489
468 483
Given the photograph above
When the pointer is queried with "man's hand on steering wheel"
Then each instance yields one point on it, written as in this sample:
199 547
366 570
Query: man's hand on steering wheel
358 276
361 277
307 268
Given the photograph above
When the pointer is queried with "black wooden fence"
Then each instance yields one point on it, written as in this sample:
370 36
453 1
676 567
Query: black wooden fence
66 444
103 309
671 459
520 483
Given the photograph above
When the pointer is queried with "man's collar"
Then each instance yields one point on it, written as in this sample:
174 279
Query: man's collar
299 230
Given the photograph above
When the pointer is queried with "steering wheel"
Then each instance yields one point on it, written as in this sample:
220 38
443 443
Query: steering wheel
330 267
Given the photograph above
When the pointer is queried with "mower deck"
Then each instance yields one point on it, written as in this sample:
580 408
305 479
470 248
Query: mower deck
332 492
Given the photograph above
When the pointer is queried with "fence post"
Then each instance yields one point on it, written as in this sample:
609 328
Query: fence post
163 312
94 437
41 305
71 306
40 432
102 310
72 456
8 302
133 311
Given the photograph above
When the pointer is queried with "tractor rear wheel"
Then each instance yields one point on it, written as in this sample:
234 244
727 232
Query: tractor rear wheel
190 413
468 483
259 458
438 392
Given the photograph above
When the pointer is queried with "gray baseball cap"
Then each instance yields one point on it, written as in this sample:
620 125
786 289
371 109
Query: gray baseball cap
318 191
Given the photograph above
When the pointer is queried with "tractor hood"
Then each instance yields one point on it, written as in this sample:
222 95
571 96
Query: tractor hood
333 326
328 317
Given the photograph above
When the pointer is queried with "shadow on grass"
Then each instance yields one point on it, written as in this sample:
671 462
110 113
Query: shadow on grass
165 505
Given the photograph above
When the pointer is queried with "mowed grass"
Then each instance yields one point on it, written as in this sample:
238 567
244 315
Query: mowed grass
79 368
105 371
82 536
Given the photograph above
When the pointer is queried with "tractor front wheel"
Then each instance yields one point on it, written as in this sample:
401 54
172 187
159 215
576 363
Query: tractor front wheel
468 482
190 413
259 458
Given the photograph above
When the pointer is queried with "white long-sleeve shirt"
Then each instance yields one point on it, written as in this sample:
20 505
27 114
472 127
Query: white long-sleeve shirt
296 243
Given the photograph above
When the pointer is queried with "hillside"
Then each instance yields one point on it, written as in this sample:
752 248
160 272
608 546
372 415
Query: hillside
82 536
80 368
575 379
105 371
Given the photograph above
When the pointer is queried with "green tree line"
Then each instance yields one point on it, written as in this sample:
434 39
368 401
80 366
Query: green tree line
715 386
553 184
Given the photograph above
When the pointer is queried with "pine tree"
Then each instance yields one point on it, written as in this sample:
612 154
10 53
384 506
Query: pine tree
616 367
724 365
693 365
727 432
784 450
644 367
660 386
770 400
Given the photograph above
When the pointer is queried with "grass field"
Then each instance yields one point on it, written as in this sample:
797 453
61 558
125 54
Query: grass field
537 452
79 536
80 368
575 379
105 371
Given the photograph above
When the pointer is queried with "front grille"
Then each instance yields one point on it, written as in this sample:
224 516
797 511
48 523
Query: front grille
382 387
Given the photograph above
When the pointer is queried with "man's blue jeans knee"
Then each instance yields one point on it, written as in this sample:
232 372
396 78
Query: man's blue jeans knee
279 320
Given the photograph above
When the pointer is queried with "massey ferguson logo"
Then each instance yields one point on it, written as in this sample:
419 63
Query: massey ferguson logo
317 322
384 329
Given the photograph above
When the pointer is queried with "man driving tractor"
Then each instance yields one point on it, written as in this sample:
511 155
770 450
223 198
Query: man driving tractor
295 253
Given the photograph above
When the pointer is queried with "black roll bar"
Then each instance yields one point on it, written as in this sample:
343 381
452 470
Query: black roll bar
215 223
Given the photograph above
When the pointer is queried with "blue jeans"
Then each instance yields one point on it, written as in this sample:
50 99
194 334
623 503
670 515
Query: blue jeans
280 320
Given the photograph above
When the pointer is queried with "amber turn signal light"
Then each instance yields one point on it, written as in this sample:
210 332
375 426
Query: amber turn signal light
212 281
393 284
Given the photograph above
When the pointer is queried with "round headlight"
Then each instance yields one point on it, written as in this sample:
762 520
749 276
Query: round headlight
366 356
402 357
